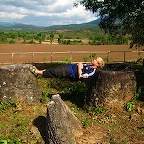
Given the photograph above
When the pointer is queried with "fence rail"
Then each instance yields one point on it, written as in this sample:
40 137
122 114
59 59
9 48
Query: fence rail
72 56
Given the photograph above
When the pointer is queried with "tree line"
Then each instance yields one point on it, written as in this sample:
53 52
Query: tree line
94 36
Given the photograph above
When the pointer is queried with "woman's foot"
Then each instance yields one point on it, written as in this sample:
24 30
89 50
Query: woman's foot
33 70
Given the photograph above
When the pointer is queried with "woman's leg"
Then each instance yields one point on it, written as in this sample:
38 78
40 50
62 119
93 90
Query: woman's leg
58 71
39 72
36 71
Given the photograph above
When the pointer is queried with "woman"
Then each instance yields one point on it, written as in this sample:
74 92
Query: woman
72 71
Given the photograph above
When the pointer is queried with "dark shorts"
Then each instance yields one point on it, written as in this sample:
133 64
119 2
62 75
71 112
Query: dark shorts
60 71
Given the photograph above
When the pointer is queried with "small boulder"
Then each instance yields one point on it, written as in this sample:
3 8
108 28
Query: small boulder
16 81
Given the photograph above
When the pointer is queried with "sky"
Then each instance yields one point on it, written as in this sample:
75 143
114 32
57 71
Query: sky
44 12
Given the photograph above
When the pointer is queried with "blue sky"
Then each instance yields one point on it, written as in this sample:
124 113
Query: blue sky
44 12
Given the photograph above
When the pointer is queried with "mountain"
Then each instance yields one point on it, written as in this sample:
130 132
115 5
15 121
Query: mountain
95 22
73 26
18 27
7 24
24 27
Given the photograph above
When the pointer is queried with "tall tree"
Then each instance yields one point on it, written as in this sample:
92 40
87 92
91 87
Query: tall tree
51 37
119 16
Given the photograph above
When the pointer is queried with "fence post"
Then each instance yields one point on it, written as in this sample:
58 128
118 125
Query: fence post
139 55
32 57
12 58
108 56
71 56
51 56
91 56
124 56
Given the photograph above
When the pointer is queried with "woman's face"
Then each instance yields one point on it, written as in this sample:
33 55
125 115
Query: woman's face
96 62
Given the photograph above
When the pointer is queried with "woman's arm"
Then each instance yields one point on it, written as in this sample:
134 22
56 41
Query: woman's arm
80 66
80 75
85 71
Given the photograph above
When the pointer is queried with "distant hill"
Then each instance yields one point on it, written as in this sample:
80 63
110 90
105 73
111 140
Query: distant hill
95 22
73 26
7 24
24 27
18 27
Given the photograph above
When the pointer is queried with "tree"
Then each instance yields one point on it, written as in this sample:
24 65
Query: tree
13 35
119 16
51 37
60 38
3 37
41 37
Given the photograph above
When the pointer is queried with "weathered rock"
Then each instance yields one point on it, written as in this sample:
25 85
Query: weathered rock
16 81
111 87
62 125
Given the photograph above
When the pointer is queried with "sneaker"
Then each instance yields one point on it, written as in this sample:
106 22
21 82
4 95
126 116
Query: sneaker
33 69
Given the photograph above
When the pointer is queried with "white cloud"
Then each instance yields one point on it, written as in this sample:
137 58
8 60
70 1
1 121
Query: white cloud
44 12
4 15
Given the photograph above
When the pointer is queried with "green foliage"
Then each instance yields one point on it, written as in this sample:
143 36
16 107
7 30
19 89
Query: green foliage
6 141
2 141
108 40
86 123
60 39
94 111
130 106
77 88
44 99
22 128
51 37
13 35
3 37
93 55
12 42
139 92
141 128
71 42
75 91
6 105
66 60
56 83
85 58
98 111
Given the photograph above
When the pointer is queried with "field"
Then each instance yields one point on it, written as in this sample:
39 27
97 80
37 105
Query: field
25 123
34 53
9 48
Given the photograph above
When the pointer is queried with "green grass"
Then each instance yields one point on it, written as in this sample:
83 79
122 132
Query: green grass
7 104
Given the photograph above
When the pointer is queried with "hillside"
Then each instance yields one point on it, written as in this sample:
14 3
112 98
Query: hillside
74 26
18 27
24 27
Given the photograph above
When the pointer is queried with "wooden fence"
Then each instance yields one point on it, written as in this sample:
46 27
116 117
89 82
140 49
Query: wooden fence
71 56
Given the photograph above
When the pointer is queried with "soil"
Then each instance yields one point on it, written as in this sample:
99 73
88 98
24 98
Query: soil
26 122
10 48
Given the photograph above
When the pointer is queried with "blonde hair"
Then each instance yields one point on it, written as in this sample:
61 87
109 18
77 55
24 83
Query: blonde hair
101 62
